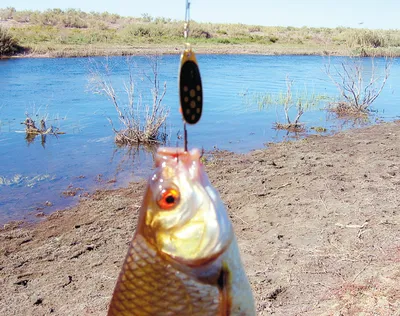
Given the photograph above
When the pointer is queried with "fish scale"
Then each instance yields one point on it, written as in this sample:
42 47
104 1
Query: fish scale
153 297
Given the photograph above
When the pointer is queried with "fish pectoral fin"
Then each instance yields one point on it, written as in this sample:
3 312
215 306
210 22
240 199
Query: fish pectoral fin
225 299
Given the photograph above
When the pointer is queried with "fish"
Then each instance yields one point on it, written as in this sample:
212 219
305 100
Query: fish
184 258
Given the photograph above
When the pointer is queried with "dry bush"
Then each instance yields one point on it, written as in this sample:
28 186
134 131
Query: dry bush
139 123
32 130
358 89
7 13
345 109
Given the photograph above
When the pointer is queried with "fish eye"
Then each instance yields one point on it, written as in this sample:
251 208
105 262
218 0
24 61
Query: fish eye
168 199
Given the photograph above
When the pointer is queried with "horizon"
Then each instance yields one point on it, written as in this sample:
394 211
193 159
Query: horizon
307 13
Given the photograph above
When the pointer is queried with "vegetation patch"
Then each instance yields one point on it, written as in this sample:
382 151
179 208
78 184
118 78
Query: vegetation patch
140 123
319 129
8 44
40 30
292 127
345 109
299 103
31 130
358 88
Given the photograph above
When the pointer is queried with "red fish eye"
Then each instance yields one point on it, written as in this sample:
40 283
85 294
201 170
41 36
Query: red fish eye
169 198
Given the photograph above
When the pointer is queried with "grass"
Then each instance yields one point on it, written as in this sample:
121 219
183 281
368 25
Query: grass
298 103
68 33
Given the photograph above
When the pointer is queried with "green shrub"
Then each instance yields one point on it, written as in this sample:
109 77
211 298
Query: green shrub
273 39
8 44
73 21
365 38
142 31
223 41
222 32
200 33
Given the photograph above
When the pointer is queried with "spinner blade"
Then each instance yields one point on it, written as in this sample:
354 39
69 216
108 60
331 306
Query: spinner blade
190 88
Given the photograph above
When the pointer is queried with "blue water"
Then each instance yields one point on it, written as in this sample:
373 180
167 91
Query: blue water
87 158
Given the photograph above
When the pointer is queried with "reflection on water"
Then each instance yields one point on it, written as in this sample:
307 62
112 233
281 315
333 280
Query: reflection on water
47 173
341 122
127 156
30 138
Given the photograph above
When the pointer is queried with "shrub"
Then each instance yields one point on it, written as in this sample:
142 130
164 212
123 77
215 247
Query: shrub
22 16
7 13
140 123
8 44
254 28
199 33
358 88
365 38
223 41
273 39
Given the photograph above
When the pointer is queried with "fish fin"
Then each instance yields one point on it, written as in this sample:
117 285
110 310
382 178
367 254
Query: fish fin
225 299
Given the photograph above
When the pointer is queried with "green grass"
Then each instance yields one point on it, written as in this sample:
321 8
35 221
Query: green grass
57 31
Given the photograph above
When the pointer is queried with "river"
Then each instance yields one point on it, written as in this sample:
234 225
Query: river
38 177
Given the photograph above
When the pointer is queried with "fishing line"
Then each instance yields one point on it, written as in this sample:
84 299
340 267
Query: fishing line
190 86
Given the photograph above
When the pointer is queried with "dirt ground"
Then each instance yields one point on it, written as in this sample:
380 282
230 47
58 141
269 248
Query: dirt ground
317 220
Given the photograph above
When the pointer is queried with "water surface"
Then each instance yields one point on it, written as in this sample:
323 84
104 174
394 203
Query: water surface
86 157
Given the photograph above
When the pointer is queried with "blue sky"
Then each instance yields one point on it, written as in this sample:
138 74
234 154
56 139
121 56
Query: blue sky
374 14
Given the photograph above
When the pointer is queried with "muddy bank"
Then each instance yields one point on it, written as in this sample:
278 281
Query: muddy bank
317 222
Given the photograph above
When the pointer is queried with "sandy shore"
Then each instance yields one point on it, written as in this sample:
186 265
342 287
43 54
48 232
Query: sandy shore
317 222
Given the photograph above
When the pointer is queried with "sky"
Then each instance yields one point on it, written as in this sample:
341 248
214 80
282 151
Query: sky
373 14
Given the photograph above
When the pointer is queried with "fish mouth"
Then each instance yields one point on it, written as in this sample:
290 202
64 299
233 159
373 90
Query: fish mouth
183 159
179 155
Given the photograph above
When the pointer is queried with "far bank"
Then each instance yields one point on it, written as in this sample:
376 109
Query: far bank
74 33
